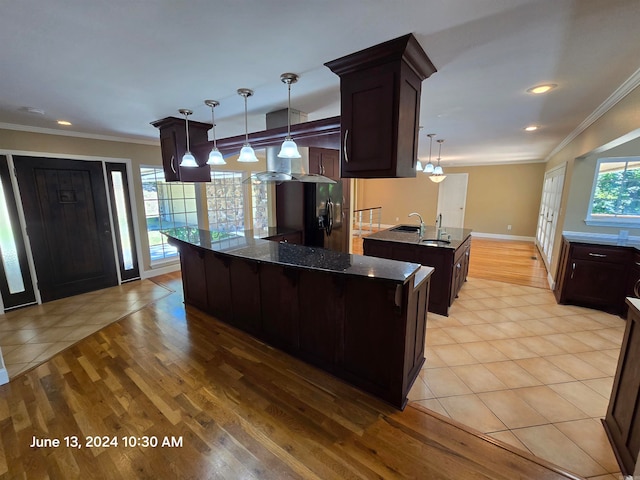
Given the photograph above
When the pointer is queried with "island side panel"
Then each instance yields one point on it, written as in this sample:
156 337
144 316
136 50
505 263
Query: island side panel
352 326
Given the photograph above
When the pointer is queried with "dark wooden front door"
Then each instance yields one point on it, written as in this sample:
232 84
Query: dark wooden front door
65 206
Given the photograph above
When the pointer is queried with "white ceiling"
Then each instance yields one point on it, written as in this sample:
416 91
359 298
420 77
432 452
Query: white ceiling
112 67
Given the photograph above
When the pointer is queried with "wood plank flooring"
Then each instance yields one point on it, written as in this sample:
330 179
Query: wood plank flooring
518 262
239 408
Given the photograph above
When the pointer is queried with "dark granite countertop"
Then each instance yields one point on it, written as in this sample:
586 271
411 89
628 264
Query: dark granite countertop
604 240
245 246
457 236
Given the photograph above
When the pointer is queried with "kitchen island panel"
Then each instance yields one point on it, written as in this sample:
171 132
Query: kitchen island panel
366 329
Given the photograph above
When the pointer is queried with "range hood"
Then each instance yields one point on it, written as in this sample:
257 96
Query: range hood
287 169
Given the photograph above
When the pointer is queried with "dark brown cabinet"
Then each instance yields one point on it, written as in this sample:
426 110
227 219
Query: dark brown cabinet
633 280
622 421
593 275
451 266
367 331
324 161
173 145
380 108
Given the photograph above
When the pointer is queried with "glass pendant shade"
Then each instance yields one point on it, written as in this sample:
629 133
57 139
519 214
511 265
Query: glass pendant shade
437 178
215 157
247 154
428 168
188 160
418 165
438 170
289 149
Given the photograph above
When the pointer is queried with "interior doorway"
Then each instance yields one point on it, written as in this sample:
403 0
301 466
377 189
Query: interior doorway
452 199
67 217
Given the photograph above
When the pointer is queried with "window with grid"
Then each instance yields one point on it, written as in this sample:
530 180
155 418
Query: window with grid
166 205
615 197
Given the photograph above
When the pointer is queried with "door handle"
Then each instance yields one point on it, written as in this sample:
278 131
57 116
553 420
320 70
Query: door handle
573 269
344 146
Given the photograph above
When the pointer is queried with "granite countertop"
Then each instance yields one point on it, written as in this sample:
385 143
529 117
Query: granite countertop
458 236
246 246
604 240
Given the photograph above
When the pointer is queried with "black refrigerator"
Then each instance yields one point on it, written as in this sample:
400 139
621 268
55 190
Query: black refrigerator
323 215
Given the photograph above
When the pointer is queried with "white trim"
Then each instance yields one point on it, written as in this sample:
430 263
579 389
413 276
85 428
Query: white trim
500 236
612 222
551 281
588 237
622 91
160 270
63 156
66 133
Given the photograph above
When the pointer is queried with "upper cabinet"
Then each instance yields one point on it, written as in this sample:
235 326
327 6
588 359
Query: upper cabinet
173 144
380 108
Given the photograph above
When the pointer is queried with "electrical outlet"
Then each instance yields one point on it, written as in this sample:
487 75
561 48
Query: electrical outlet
508 227
397 219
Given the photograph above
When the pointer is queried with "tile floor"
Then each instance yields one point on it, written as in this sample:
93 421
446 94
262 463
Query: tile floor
32 335
511 363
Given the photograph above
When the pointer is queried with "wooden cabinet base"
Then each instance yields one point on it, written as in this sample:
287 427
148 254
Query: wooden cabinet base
369 332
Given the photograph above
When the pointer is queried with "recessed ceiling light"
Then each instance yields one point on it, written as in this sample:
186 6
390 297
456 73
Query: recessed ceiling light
64 122
531 128
544 88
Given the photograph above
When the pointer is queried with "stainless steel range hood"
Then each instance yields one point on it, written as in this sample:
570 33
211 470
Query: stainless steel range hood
287 169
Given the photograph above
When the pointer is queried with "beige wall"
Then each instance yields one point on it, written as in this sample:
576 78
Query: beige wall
497 196
60 146
616 133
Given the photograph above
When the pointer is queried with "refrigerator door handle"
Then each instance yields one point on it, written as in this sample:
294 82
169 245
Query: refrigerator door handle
329 225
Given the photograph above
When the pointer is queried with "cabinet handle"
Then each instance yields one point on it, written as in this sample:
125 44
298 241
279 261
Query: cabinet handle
599 255
638 264
458 266
173 169
636 288
573 269
344 146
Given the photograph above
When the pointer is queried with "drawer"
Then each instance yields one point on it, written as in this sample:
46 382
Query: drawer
599 253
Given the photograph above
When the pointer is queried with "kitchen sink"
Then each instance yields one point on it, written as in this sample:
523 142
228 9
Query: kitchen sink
436 241
405 228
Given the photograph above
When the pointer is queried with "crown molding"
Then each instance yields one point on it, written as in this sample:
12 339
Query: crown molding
622 91
91 136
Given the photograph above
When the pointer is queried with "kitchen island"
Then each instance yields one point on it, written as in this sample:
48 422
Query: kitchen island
445 249
360 318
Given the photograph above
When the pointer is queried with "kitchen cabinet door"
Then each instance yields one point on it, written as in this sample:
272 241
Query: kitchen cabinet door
380 108
245 295
173 145
279 299
194 281
622 420
595 283
218 285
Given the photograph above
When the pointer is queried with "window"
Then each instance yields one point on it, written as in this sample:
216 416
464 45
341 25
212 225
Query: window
166 205
615 197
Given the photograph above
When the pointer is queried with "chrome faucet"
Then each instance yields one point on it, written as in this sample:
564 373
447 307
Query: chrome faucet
421 222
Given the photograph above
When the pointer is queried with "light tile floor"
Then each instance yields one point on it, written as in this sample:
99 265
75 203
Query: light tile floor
511 363
29 336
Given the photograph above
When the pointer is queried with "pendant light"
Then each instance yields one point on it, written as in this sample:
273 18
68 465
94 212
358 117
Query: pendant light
188 160
438 175
246 153
429 166
289 148
215 157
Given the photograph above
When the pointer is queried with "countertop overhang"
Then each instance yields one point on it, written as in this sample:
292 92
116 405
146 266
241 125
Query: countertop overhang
244 245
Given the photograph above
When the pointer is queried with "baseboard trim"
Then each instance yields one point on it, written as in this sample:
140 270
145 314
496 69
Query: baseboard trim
499 236
161 270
